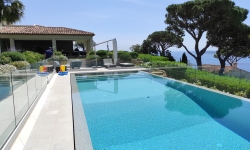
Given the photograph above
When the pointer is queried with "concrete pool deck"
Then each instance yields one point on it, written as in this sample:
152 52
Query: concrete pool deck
50 125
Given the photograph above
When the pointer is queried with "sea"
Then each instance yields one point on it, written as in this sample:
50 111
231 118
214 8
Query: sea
208 58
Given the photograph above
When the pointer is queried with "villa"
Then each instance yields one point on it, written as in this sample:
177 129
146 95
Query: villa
39 38
36 38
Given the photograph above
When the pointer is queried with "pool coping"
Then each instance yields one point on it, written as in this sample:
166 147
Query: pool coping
82 138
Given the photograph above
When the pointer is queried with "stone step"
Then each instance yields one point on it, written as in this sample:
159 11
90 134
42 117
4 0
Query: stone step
160 73
157 73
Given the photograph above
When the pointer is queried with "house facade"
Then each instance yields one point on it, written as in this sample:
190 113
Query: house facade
39 38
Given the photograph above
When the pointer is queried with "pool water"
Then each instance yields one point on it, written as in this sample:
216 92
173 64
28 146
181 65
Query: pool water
139 111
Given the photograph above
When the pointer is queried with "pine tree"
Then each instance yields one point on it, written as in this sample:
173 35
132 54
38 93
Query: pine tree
184 58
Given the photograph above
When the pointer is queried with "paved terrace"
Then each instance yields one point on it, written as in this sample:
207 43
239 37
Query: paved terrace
50 125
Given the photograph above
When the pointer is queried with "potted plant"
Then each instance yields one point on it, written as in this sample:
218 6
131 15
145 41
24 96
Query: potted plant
60 58
91 60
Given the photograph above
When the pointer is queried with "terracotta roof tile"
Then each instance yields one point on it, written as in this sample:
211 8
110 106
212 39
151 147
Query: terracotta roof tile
41 30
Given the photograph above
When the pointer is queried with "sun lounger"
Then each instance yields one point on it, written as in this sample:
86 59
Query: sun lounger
108 63
127 64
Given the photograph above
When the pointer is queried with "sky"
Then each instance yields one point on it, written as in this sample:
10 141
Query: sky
129 21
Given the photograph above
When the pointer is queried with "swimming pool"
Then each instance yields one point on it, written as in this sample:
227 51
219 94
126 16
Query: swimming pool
141 111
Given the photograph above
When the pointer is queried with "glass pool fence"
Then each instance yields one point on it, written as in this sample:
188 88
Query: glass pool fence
18 91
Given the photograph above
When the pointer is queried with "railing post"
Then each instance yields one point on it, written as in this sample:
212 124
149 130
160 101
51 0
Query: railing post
12 92
214 76
195 74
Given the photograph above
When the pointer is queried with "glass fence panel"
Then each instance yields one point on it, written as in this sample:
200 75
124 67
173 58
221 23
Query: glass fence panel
7 118
44 80
38 79
49 77
21 101
18 90
31 84
207 78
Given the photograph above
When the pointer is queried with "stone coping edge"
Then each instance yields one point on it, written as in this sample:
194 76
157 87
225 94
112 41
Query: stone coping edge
82 140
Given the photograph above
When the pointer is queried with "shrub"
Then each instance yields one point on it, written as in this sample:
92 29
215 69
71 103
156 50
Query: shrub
62 59
159 58
101 53
58 53
14 56
91 52
227 84
19 64
177 65
145 57
150 58
172 69
119 53
134 55
7 68
92 57
4 60
110 54
124 56
33 57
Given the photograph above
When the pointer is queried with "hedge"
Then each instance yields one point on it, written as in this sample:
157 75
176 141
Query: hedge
232 85
151 58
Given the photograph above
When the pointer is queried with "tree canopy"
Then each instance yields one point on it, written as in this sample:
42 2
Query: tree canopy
148 48
79 44
135 48
232 41
162 40
11 11
199 16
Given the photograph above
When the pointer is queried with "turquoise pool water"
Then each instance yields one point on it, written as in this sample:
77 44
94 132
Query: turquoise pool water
138 111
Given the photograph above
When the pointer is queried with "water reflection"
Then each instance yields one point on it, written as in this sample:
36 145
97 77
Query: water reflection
228 111
178 102
5 86
215 104
104 83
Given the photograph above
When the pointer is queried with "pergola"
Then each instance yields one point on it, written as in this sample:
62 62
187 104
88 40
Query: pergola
39 38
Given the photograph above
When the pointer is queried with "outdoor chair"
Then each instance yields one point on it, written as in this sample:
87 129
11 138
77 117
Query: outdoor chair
108 63
127 64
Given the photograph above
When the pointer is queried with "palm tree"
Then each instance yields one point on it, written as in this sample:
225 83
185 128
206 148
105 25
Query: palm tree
11 11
